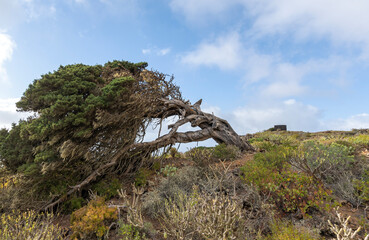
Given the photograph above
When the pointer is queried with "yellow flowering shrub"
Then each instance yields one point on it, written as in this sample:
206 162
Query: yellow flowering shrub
28 225
92 220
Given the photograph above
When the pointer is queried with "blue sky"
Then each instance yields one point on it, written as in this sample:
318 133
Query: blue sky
256 63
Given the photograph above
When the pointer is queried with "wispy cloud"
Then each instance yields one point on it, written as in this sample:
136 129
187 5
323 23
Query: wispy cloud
225 53
156 51
7 46
273 76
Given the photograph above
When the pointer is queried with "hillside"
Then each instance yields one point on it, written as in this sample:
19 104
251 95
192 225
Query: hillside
290 188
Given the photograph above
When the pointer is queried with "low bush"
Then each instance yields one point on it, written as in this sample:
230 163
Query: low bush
93 220
169 188
226 152
142 176
284 231
107 187
129 232
289 190
201 156
201 216
359 141
168 170
29 225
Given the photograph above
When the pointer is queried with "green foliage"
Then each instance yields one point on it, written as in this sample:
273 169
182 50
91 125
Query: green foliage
142 176
360 141
93 220
276 157
107 187
226 152
323 161
73 204
84 115
129 232
29 225
291 191
168 170
266 141
15 147
362 186
201 156
283 231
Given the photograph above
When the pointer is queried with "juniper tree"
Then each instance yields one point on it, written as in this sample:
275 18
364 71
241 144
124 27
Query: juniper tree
90 120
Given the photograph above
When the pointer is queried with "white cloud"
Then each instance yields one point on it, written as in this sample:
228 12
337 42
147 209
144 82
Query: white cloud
7 46
201 10
342 21
163 52
338 20
296 115
356 121
225 53
146 51
276 78
156 51
8 113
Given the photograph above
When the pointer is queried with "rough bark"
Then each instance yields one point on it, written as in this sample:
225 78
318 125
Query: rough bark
210 126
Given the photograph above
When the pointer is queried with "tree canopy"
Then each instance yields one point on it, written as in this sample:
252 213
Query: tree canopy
89 120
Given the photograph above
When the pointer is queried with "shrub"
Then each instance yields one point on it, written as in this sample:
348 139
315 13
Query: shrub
129 232
173 152
142 176
28 225
107 187
133 207
362 186
321 161
201 156
169 188
291 191
360 141
211 217
92 220
274 158
73 204
168 170
226 152
283 231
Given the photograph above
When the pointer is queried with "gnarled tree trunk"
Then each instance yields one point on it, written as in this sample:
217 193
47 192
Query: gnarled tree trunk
210 126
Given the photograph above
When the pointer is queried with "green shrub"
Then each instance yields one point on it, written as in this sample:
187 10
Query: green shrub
360 141
276 157
28 225
129 232
226 152
168 170
142 176
107 187
73 204
362 186
291 191
201 156
93 220
322 161
284 231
